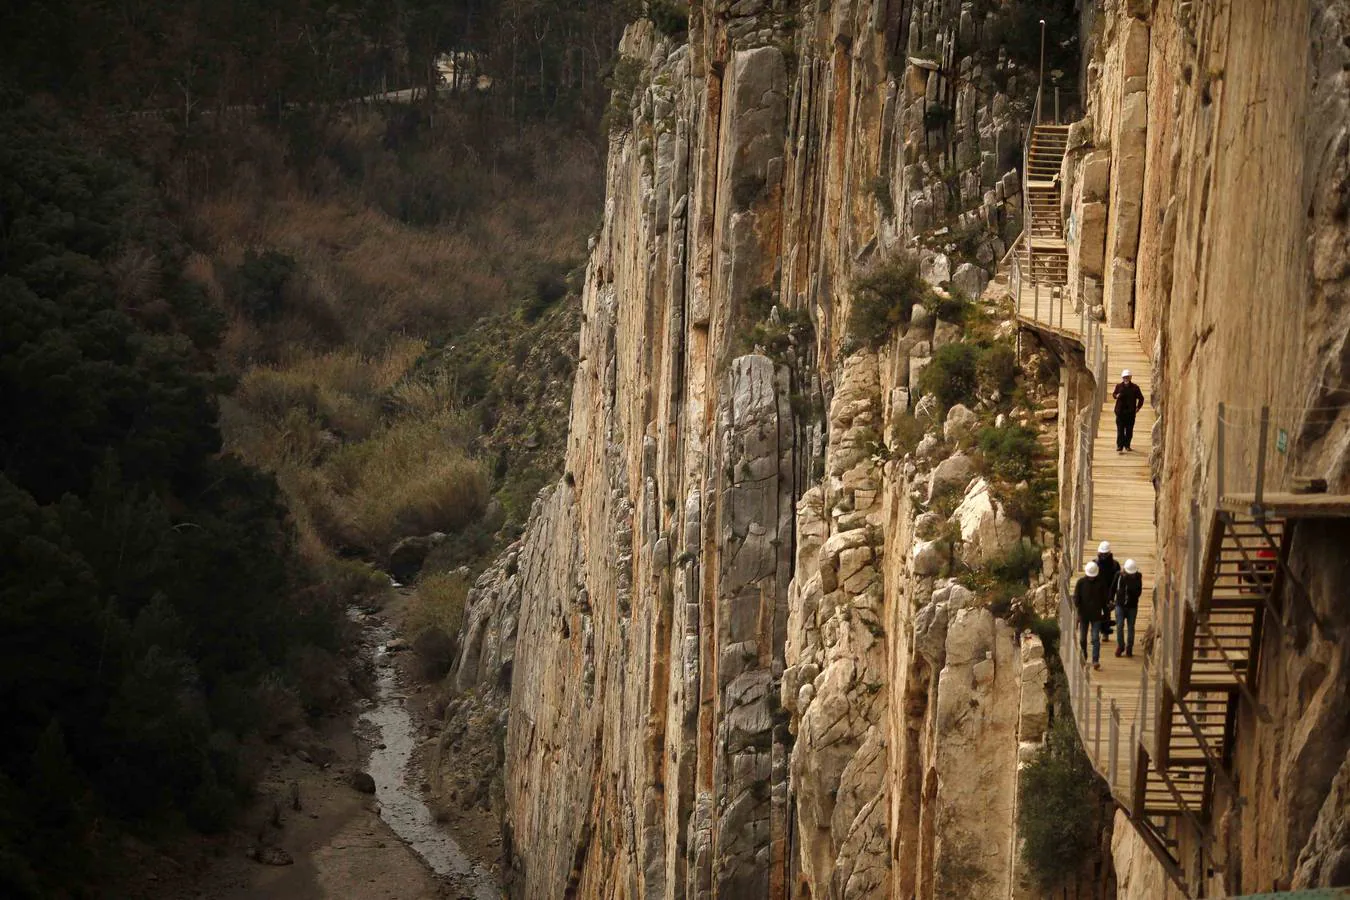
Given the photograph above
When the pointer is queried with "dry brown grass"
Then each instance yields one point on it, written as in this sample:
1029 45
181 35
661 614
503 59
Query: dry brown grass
413 478
438 603
363 274
366 453
366 448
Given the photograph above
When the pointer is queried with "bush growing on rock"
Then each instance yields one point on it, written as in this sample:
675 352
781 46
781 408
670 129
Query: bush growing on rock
906 432
951 374
1057 808
1017 563
438 603
623 83
997 369
671 18
1009 452
883 297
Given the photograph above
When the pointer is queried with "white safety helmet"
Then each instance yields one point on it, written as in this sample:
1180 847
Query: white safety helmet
1130 567
1091 569
1125 373
1104 547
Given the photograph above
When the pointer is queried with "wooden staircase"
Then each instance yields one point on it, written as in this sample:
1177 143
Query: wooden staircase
1043 161
1208 658
1041 259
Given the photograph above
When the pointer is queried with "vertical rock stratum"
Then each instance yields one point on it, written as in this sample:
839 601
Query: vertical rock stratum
731 656
734 669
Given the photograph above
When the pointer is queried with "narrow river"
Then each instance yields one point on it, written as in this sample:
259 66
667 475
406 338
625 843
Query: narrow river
401 803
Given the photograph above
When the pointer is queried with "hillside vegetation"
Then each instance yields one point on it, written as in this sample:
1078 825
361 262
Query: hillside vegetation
153 616
257 326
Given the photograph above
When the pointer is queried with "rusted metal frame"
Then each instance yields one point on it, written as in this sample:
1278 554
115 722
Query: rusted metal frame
1213 547
1185 635
1206 839
1162 727
1262 713
1219 443
1215 760
1258 509
1266 593
1158 844
1138 785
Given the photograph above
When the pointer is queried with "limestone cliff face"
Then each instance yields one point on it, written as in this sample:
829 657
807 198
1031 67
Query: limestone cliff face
732 665
1210 193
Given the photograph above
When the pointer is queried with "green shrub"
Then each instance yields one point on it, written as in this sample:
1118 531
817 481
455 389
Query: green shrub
883 297
1016 564
410 479
549 285
1030 504
260 283
1058 798
438 603
670 18
950 374
952 308
1009 452
935 115
906 432
881 191
623 82
997 369
793 330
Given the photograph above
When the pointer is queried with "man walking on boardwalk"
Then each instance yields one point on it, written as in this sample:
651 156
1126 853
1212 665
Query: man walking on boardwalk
1091 598
1106 563
1129 586
1129 400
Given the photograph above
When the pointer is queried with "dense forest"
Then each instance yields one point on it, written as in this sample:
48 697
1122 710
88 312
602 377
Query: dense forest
256 327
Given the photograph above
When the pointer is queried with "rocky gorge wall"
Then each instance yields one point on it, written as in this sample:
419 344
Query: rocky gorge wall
732 660
1208 202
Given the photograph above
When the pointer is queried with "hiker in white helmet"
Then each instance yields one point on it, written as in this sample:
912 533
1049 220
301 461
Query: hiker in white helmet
1106 561
1091 599
1128 587
1129 400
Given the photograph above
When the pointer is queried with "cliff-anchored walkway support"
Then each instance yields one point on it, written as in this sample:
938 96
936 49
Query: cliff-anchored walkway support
1160 727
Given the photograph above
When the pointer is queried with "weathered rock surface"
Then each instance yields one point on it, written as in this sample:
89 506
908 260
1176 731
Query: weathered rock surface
705 639
987 533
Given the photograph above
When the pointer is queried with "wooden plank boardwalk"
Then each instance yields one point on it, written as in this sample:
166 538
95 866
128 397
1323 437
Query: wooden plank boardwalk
1122 511
1122 506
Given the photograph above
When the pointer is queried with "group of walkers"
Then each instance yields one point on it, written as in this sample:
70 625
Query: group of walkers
1107 586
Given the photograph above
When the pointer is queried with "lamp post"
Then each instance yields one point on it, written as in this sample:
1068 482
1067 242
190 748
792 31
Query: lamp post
1040 75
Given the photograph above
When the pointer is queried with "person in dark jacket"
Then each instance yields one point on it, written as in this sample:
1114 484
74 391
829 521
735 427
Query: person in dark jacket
1129 587
1091 599
1106 561
1129 400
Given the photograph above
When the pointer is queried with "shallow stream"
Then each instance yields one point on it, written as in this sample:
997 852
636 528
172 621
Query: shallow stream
401 805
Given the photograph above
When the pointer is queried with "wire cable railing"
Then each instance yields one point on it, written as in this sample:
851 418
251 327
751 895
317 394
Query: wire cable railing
1255 448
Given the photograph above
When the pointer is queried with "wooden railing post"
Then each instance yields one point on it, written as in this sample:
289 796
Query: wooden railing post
1097 735
1218 442
1112 751
1261 460
1133 748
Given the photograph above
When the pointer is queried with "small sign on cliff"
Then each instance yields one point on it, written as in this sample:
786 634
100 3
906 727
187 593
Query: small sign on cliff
1282 440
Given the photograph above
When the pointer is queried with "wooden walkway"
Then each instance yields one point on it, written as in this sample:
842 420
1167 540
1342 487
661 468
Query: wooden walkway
1122 513
1122 502
1159 728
